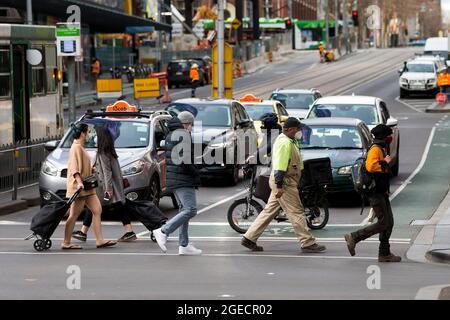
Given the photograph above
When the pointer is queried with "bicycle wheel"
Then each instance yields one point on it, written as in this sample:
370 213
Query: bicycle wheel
242 214
317 217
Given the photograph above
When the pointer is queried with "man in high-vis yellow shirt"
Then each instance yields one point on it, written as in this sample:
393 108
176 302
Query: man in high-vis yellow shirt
284 181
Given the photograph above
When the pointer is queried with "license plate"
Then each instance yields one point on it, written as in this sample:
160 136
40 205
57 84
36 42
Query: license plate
417 87
179 73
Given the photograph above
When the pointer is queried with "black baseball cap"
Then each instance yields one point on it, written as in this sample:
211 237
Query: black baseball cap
381 131
292 122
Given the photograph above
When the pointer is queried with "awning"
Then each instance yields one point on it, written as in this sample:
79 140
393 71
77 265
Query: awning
100 19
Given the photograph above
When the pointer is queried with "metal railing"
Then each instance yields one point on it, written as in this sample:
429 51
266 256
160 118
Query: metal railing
20 164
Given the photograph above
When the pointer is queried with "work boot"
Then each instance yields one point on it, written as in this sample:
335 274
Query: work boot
350 243
251 245
315 248
389 258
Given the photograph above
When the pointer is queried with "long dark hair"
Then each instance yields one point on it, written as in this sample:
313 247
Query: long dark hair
105 142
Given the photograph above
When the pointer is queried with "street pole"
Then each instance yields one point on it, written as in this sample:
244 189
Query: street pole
344 17
71 82
29 12
221 47
327 25
290 9
336 24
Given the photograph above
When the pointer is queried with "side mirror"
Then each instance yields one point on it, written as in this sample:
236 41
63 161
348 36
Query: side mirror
244 123
392 122
51 145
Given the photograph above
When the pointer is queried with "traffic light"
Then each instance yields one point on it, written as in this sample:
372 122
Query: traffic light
355 18
288 23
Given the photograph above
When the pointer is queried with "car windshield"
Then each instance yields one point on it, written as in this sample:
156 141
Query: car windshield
256 111
329 137
294 100
126 134
210 115
364 112
420 67
178 66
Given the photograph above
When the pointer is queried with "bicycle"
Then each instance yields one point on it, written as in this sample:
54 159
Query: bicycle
244 211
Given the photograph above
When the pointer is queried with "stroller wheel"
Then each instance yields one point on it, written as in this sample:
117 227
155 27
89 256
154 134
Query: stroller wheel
152 236
48 244
39 245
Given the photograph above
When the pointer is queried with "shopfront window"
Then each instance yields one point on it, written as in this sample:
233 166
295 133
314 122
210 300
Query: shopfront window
5 73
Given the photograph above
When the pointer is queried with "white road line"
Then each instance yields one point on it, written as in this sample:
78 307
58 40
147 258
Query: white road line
419 167
212 255
412 175
407 105
222 202
239 238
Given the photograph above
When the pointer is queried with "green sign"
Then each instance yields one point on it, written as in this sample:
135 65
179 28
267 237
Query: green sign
67 31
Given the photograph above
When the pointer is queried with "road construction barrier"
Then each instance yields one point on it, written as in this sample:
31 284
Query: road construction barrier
109 88
270 56
164 83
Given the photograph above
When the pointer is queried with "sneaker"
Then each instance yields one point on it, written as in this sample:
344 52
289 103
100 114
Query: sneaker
189 250
129 236
350 244
161 239
315 248
79 235
251 245
389 258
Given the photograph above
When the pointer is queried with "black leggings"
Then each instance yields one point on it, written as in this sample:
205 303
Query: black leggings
116 207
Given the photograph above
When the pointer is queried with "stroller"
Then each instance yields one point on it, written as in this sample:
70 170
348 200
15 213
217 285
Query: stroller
45 222
147 213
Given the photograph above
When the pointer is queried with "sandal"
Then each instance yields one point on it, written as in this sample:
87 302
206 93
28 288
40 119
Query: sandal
71 247
108 243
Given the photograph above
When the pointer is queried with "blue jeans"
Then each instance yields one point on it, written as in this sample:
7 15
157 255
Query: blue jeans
188 209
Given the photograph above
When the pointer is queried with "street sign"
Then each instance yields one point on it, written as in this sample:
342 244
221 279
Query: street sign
68 38
146 88
109 88
177 30
235 23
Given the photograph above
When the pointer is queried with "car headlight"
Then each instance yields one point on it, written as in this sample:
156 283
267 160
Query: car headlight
431 80
403 81
345 170
49 169
133 168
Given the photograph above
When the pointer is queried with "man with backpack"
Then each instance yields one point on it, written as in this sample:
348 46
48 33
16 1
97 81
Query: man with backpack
377 166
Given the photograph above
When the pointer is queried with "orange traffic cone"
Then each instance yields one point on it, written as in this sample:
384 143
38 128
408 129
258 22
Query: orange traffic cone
166 97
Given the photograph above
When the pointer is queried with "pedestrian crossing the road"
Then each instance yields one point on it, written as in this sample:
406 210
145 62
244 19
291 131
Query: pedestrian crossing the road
417 104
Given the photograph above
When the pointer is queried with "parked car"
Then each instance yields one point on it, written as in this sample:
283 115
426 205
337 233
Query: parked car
371 110
296 101
343 140
420 76
178 72
218 134
138 135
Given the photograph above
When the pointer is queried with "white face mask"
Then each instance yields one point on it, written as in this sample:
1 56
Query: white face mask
298 135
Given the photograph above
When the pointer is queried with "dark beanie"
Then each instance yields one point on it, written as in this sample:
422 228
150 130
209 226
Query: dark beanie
381 131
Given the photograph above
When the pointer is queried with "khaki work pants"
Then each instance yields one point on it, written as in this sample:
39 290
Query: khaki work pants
292 206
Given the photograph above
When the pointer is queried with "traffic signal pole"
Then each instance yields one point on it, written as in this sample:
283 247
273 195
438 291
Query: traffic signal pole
221 48
327 25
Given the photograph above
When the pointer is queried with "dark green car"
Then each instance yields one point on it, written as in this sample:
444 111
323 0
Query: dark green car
343 140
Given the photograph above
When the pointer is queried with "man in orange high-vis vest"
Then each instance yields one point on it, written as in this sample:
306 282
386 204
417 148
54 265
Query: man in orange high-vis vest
195 78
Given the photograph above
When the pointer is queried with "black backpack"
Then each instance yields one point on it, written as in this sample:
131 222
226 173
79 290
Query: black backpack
363 181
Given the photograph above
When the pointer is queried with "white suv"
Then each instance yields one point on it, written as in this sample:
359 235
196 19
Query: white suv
420 76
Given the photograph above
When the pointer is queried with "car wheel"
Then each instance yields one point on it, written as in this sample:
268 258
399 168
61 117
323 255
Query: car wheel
403 93
154 192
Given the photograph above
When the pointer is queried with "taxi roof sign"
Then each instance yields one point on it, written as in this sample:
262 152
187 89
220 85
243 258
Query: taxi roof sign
250 98
121 106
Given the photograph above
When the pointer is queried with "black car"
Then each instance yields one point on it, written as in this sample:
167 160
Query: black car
219 151
178 72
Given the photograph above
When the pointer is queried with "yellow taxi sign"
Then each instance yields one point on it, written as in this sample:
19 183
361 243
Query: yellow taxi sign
121 106
250 98
146 88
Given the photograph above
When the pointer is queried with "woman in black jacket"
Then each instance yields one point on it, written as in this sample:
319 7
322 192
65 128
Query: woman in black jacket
182 179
